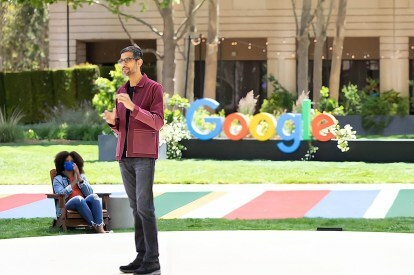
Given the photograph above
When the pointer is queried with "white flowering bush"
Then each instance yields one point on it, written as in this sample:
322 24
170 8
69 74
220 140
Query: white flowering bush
175 127
342 135
171 134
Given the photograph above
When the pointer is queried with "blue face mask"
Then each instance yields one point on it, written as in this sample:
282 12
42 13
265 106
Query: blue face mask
68 165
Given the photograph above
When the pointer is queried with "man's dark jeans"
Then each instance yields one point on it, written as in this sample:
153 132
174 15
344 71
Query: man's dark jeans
138 177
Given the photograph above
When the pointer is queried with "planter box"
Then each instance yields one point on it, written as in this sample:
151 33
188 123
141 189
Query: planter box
398 125
107 148
249 149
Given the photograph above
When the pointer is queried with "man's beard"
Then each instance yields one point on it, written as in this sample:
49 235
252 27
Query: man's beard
128 72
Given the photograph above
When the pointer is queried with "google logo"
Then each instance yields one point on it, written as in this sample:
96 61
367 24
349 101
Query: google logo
304 127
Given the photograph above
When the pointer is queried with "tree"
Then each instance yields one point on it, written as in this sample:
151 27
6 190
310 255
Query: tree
23 37
190 50
1 35
338 45
302 37
169 34
210 74
320 37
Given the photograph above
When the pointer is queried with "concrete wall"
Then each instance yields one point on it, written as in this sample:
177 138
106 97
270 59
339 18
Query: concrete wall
390 20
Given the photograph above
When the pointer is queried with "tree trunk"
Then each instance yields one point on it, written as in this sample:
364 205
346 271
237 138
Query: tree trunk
211 51
303 47
317 70
1 36
338 45
168 68
320 36
190 51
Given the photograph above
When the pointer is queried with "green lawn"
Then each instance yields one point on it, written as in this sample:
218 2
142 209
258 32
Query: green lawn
29 164
18 228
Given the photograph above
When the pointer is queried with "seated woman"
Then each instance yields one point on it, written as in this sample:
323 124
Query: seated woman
71 181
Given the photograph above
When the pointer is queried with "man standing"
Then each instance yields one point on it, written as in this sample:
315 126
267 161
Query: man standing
137 119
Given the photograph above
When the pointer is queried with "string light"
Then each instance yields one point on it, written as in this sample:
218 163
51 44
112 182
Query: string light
196 41
235 43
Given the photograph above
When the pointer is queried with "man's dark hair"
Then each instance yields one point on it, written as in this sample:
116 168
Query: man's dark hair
60 161
135 50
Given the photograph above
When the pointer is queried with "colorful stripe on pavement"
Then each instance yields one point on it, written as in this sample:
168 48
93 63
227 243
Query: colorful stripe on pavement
403 205
13 201
278 205
247 204
170 201
343 204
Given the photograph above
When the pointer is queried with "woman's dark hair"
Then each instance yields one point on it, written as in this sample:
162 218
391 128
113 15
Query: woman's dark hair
60 160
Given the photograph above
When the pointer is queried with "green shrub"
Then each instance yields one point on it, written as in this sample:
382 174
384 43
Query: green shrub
83 132
374 114
377 110
64 86
10 130
327 104
371 87
83 114
175 128
105 98
19 94
411 83
397 105
104 71
83 123
2 91
352 99
174 107
42 94
86 75
280 101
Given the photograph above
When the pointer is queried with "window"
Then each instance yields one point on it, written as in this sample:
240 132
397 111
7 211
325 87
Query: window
360 61
241 68
106 54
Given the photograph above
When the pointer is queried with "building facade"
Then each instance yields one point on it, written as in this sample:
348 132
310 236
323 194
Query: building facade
257 38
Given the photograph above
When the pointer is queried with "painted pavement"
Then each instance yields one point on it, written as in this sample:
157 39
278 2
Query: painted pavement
251 203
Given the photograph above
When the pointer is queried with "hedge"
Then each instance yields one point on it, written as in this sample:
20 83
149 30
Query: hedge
64 87
104 71
18 90
2 92
85 79
42 94
37 92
